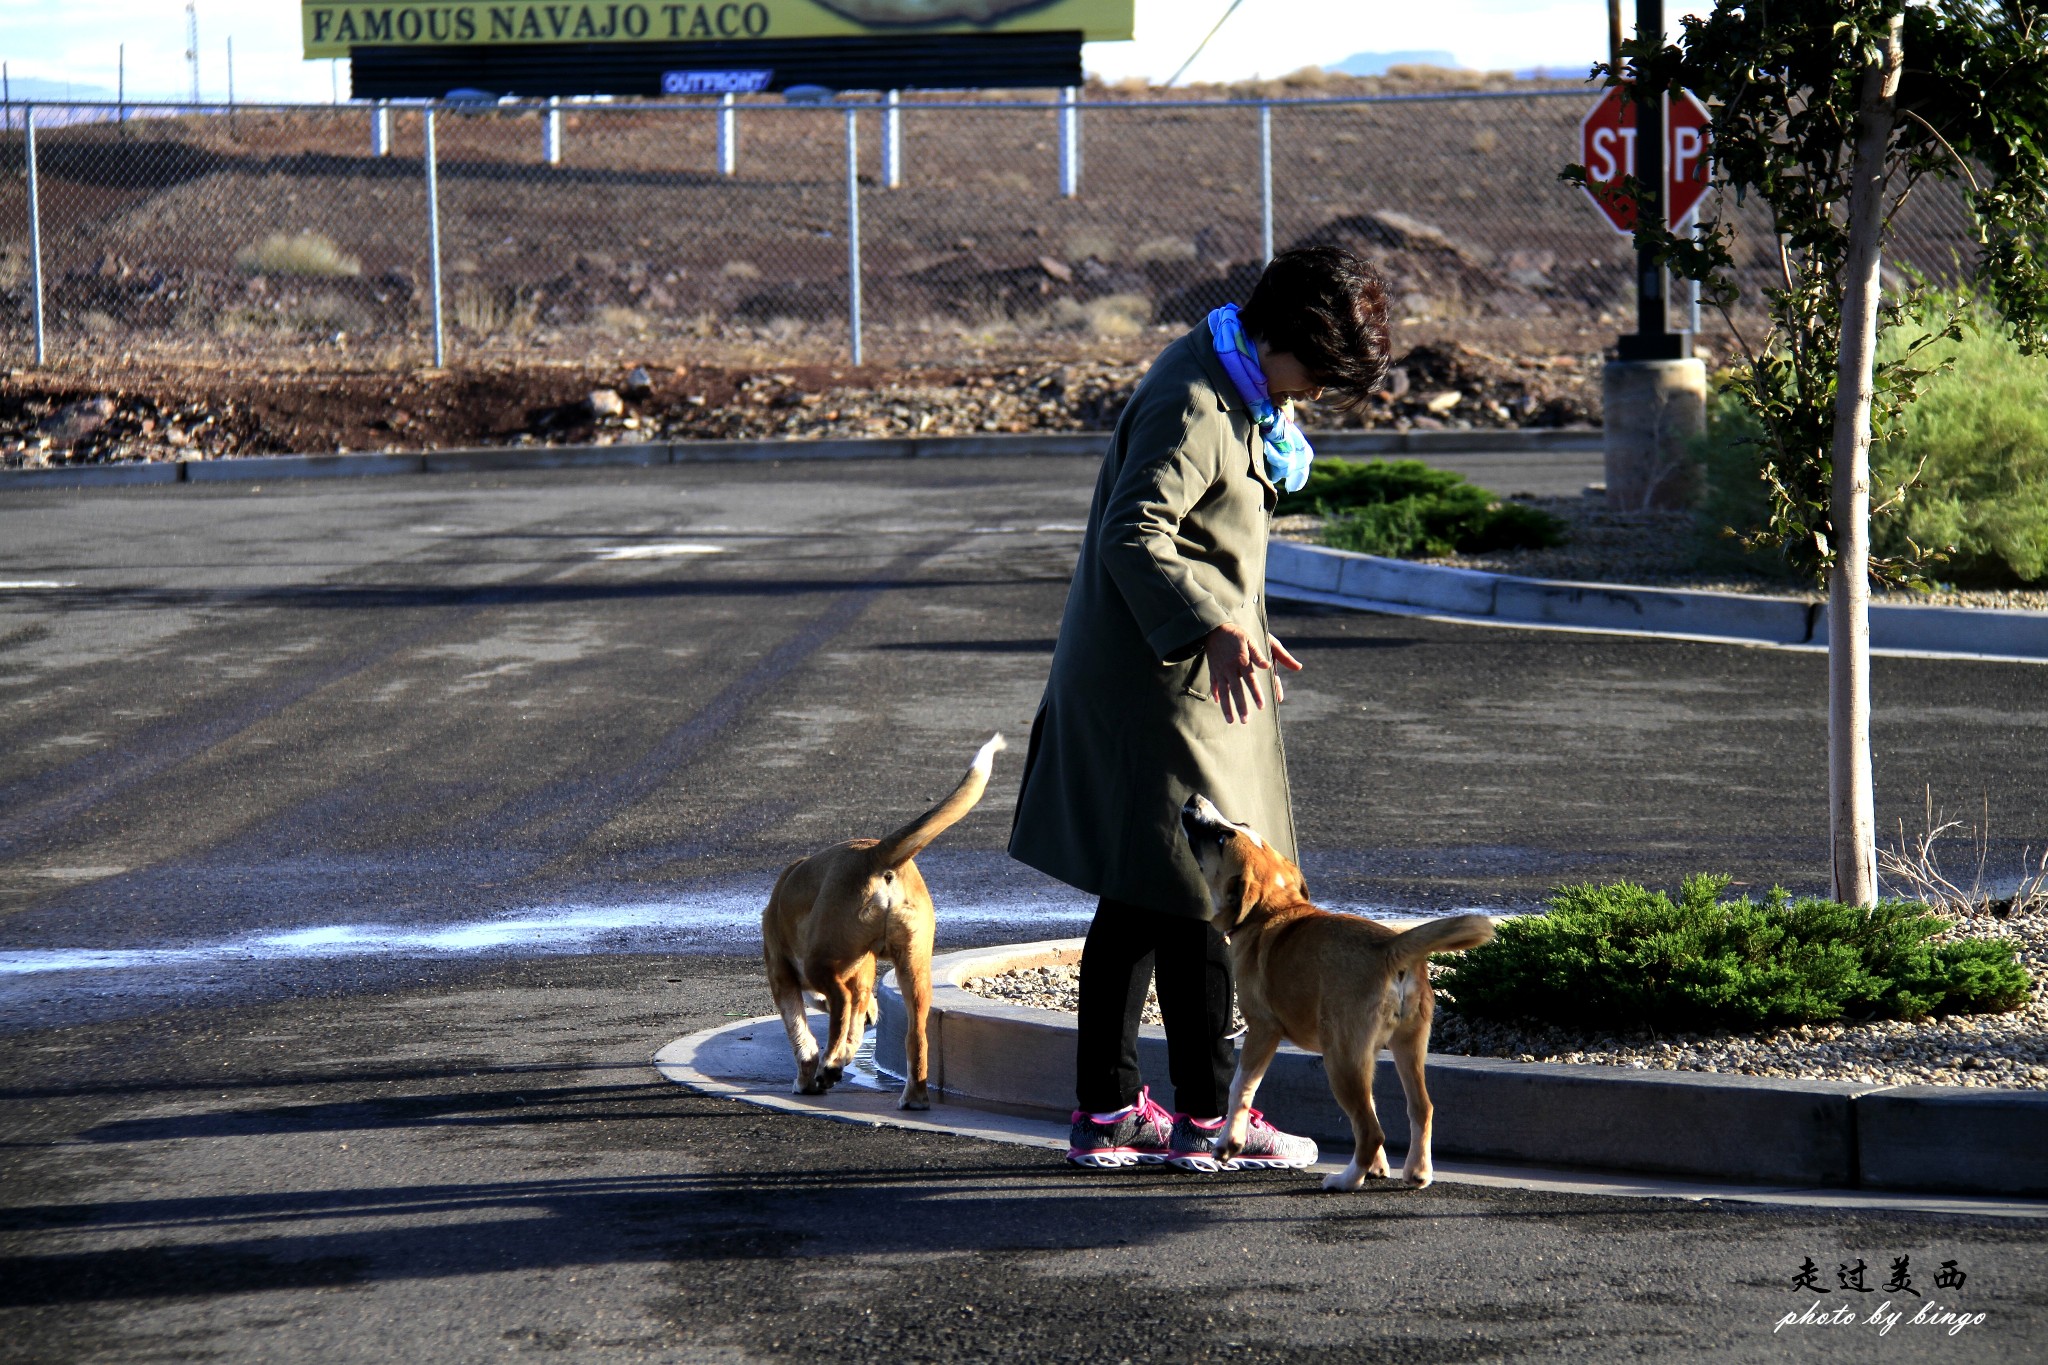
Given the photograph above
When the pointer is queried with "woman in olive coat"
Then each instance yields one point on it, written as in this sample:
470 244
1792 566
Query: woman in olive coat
1155 691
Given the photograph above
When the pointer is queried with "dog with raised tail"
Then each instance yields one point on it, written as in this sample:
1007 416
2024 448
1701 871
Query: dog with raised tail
1335 984
829 918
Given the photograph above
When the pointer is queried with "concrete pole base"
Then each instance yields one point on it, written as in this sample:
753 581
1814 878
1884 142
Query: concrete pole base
1654 411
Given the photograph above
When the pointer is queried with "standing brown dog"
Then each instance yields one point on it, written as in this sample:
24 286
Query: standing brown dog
832 913
1335 984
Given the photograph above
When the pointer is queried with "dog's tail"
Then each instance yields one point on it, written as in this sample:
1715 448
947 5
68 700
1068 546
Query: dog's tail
906 843
1451 934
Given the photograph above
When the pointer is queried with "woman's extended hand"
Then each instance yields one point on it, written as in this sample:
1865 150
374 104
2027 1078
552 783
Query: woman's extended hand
1234 664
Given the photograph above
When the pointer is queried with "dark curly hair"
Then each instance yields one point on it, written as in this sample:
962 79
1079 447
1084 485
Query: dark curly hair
1327 307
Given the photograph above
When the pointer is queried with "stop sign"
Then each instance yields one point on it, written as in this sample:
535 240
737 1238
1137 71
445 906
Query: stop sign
1607 149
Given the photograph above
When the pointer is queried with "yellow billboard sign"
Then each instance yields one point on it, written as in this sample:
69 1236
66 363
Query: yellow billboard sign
332 27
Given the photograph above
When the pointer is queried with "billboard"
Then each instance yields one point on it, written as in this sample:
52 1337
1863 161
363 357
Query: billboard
334 28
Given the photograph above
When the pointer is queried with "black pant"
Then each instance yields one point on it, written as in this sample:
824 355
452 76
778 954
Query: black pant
1127 945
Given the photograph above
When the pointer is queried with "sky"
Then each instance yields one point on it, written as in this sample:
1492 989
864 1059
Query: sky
77 40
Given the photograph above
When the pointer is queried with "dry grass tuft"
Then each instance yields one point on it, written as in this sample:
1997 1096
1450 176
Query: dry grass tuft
485 311
1912 869
1163 249
1086 243
307 253
621 321
1112 315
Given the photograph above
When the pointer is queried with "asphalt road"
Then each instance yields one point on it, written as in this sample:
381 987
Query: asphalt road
362 841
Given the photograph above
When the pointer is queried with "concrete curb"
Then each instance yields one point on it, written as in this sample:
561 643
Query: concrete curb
641 454
1744 1128
1312 573
748 1062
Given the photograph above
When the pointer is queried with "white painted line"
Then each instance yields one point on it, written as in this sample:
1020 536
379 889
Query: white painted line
673 549
23 584
688 1062
726 920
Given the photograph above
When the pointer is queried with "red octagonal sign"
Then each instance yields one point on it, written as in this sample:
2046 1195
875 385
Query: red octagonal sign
1607 149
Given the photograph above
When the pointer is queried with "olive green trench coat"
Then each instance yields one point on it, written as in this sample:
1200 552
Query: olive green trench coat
1175 546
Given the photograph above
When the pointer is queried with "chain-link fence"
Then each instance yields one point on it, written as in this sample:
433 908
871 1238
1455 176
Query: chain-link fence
891 231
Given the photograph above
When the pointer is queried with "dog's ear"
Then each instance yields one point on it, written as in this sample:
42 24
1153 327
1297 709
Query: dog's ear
1240 894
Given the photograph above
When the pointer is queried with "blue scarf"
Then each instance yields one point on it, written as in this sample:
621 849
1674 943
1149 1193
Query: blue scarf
1288 453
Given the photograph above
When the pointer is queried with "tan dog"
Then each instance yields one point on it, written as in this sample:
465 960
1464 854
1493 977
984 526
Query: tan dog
832 913
1334 984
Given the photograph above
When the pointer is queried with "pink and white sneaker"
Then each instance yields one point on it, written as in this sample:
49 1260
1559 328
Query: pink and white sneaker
1192 1147
1129 1137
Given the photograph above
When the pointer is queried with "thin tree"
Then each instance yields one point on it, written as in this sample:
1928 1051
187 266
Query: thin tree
1832 113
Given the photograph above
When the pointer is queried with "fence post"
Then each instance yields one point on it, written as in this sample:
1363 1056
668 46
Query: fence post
1070 144
853 228
434 238
728 136
1266 180
380 129
35 224
551 137
892 142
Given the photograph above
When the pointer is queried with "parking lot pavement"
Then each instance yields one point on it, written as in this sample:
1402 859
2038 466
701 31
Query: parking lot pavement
415 816
489 1168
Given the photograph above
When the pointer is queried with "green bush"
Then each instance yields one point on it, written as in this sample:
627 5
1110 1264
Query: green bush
1404 507
1978 434
1620 956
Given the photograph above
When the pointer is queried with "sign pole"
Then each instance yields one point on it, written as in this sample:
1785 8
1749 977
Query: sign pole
1653 394
1653 338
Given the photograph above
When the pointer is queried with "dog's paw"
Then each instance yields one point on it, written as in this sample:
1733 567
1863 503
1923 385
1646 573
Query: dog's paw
829 1076
1226 1149
915 1096
1420 1180
1346 1180
1378 1167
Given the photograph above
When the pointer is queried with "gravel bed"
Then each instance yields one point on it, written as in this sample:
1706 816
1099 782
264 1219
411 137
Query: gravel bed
1659 549
2008 1050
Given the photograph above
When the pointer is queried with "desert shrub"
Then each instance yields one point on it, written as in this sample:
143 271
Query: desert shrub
1978 437
1622 955
1404 507
305 253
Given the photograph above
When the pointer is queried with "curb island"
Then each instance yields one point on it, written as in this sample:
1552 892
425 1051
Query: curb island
1019 1060
1361 582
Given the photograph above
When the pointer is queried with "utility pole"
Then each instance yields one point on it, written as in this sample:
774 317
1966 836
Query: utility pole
192 43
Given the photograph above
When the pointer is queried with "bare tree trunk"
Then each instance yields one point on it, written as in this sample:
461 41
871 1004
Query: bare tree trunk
1851 798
